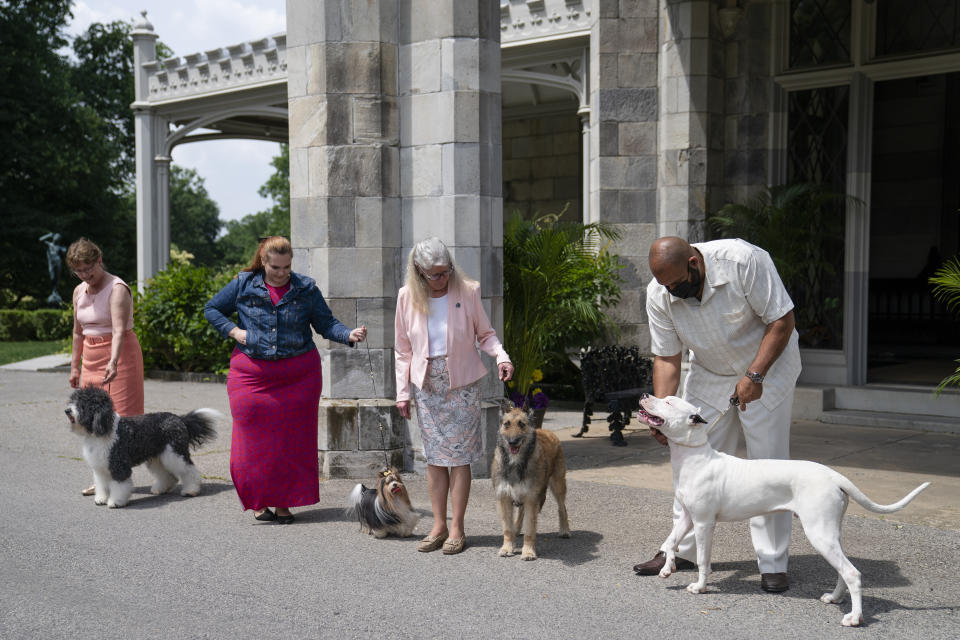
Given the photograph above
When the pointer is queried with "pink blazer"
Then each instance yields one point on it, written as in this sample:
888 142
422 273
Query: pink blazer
467 328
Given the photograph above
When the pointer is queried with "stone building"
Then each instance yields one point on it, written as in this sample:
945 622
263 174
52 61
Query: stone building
409 117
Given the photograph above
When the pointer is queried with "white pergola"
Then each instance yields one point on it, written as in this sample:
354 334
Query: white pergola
240 91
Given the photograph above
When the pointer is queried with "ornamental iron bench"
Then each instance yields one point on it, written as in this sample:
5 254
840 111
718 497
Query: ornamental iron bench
617 376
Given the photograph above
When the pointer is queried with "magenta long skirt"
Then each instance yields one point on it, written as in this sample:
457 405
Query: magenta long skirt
273 455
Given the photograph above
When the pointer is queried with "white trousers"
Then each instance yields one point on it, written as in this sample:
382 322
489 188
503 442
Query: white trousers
767 436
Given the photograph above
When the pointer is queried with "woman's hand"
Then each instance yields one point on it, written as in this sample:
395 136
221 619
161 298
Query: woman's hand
358 335
75 377
110 372
403 406
505 370
238 334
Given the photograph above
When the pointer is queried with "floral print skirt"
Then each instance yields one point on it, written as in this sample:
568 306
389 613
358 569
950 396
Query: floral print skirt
449 418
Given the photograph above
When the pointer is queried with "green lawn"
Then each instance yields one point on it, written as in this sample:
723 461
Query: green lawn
17 351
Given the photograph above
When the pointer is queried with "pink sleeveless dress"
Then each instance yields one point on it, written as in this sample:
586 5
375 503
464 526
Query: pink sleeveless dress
93 313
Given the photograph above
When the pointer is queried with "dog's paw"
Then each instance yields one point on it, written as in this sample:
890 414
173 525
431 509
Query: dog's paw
101 500
379 533
666 572
829 599
564 534
115 505
506 551
696 587
160 489
852 620
528 554
190 492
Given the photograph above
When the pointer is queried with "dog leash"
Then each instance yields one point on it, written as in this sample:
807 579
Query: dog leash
373 381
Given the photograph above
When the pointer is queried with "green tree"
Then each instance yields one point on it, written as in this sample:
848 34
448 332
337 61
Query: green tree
57 169
241 237
194 217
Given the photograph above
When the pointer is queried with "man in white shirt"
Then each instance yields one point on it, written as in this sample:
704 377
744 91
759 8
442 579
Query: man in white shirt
724 302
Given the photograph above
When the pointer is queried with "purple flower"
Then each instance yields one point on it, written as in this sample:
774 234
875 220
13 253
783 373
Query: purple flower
539 401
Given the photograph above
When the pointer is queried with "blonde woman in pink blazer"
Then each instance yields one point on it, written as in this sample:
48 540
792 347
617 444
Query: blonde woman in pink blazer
440 322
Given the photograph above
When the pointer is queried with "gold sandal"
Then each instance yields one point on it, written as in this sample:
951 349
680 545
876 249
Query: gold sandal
432 543
89 491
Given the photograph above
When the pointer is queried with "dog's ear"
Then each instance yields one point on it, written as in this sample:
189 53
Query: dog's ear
506 404
697 419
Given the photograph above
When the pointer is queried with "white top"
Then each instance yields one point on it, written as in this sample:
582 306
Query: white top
742 294
437 326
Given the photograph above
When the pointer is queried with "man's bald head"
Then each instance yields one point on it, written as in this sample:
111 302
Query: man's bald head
669 251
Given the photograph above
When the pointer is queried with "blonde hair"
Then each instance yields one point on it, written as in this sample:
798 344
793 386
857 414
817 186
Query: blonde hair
82 252
426 254
277 245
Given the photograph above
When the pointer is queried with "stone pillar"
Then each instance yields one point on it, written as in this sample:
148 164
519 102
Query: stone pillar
144 50
450 155
376 165
684 117
162 213
623 145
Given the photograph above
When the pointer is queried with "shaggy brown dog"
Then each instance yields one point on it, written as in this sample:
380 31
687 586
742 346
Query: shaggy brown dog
526 461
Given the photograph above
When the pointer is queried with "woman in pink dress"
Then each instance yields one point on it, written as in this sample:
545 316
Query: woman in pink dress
439 324
105 351
275 379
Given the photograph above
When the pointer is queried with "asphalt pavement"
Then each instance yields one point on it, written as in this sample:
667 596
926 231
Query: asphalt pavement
174 567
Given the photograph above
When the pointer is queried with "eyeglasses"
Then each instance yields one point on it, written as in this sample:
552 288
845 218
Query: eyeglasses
436 276
84 271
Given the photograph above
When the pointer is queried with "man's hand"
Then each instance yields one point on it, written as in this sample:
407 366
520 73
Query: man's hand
747 391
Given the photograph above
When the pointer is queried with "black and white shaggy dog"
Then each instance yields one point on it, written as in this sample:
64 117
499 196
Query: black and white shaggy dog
113 446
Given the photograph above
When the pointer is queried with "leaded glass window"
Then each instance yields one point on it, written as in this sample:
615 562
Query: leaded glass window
817 153
819 32
817 136
911 26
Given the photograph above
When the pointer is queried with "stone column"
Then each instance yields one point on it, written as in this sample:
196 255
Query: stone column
162 212
376 165
144 50
450 155
623 145
684 117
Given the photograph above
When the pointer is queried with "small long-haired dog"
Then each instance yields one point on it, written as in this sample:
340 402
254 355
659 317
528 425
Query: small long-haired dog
114 445
526 461
386 509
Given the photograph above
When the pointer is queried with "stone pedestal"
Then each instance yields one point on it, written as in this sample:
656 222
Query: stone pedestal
394 135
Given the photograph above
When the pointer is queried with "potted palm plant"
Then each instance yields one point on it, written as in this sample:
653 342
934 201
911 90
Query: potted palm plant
946 288
558 277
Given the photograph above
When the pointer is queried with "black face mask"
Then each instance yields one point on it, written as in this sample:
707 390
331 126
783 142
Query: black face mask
687 288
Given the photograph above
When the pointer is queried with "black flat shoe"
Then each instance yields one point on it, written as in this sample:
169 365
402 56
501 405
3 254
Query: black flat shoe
266 516
288 519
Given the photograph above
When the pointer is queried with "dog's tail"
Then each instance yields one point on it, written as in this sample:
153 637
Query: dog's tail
861 498
200 425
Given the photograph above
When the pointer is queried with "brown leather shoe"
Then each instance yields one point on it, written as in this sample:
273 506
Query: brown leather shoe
653 566
774 582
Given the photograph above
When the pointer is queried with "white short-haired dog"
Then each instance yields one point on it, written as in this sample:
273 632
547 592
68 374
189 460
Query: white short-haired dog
714 486
114 445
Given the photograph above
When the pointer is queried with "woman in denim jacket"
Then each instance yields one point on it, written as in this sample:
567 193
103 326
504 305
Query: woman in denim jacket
275 379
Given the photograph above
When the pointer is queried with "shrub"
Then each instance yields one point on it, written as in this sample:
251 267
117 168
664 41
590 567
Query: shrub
19 325
52 324
169 320
28 303
15 325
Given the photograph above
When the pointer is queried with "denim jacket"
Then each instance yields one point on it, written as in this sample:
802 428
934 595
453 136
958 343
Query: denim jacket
274 332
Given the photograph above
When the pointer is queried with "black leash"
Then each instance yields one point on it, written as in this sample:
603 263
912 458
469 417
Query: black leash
373 381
